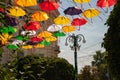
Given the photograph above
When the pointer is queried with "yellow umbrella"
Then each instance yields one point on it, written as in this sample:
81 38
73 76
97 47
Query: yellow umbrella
16 11
61 20
90 13
44 34
51 38
39 46
39 16
68 28
4 38
26 3
26 46
81 1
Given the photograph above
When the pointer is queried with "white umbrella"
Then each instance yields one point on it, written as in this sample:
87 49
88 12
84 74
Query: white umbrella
54 28
16 42
30 33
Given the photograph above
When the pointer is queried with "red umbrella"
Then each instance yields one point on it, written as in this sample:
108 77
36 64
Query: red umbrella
48 5
36 39
32 26
106 3
78 21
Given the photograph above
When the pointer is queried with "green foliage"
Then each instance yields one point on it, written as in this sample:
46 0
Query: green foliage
37 68
112 42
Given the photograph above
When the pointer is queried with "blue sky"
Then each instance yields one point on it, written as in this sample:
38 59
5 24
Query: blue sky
93 31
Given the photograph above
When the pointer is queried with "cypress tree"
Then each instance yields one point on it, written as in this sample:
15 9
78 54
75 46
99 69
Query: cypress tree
112 42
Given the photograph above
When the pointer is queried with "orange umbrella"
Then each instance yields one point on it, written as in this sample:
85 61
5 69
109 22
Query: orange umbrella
68 28
61 20
90 13
44 34
16 11
26 46
39 16
26 3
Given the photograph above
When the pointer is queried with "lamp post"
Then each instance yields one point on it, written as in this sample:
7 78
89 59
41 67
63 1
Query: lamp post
75 45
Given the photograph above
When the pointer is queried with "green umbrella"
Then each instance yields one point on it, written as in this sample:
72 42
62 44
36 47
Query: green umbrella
11 29
20 37
58 34
4 30
46 43
12 47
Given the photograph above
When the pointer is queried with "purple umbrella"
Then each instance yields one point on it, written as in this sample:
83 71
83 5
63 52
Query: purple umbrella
72 11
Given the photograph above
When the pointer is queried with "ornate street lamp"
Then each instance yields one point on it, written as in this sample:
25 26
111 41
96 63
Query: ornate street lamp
75 45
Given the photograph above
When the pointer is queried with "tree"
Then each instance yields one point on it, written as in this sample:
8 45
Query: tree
39 68
112 42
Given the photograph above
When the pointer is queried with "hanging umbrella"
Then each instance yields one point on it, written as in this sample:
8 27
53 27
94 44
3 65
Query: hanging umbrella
36 39
106 3
11 21
78 21
81 1
90 13
16 11
44 34
51 38
39 46
68 28
58 34
32 26
17 42
29 33
20 37
12 47
46 43
4 38
39 16
48 6
72 11
61 20
26 46
12 29
2 10
54 27
4 30
26 3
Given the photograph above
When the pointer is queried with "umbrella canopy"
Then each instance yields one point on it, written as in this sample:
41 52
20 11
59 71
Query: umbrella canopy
4 38
54 27
81 1
39 16
78 21
90 13
29 33
58 34
26 3
51 38
36 39
20 37
44 34
12 29
106 3
68 28
61 20
26 46
11 21
48 6
32 26
46 43
16 11
39 46
16 42
72 11
12 47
